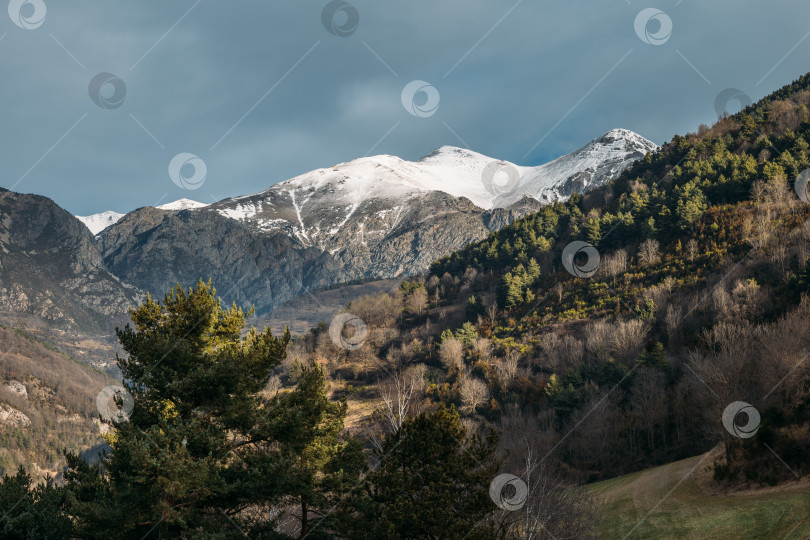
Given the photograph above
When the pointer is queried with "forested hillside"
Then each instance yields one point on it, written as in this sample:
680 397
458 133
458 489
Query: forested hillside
697 300
47 405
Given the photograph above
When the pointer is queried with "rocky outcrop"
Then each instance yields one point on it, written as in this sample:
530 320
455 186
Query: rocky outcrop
50 266
383 238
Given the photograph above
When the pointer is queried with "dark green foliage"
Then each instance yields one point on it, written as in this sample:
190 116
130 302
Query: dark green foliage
203 444
432 482
473 309
515 288
31 513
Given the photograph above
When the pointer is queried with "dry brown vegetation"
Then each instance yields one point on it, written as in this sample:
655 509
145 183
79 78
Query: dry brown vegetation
58 389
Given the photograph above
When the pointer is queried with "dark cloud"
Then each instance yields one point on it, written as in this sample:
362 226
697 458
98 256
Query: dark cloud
550 70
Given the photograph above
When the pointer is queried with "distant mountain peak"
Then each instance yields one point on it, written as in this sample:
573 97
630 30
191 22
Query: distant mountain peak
182 204
98 222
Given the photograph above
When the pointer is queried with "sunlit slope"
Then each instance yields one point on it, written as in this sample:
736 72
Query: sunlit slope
679 500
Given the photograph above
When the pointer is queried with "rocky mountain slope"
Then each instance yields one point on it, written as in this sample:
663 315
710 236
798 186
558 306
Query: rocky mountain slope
154 249
51 269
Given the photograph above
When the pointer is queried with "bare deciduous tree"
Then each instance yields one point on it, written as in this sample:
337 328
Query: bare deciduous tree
649 252
554 508
673 321
401 393
451 353
559 353
615 264
648 402
692 249
482 349
474 392
416 302
507 368
628 338
599 339
492 311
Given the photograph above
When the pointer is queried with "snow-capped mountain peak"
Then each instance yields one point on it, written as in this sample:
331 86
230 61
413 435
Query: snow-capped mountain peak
98 222
589 167
372 193
182 204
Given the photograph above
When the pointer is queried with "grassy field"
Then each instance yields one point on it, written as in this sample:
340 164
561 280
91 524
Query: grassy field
679 500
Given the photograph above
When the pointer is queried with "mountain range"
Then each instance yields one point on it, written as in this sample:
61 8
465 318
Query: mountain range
372 218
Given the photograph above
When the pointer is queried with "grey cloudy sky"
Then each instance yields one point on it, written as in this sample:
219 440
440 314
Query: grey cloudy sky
525 81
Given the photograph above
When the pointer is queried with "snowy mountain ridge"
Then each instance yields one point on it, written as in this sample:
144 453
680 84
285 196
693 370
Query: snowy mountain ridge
317 204
375 191
98 222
